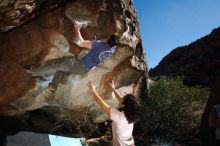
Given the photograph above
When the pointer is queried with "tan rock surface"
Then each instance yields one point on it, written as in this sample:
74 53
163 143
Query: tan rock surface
50 37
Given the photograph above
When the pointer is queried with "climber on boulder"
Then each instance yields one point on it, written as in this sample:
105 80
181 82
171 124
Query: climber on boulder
98 51
123 118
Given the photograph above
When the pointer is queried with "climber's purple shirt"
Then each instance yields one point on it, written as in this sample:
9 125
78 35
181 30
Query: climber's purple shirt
99 52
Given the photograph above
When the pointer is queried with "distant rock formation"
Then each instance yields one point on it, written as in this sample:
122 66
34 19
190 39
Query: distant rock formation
34 33
199 63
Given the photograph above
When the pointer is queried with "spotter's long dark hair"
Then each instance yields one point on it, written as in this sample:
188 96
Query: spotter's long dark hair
131 108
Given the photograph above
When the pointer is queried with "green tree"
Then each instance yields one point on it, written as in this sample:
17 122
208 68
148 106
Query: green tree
173 106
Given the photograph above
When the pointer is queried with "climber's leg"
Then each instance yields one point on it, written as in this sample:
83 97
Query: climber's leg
64 65
60 68
50 68
58 77
74 67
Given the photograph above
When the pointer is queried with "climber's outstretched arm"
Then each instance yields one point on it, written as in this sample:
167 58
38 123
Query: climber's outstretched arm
79 39
98 99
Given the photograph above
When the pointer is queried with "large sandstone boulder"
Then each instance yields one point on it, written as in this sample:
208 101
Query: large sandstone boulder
34 33
199 63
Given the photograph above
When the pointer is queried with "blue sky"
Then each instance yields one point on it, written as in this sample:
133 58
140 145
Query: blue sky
167 24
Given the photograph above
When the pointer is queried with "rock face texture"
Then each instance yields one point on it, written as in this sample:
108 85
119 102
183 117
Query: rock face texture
16 12
33 33
199 63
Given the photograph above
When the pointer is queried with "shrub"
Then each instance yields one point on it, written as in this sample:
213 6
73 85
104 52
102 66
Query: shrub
173 106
